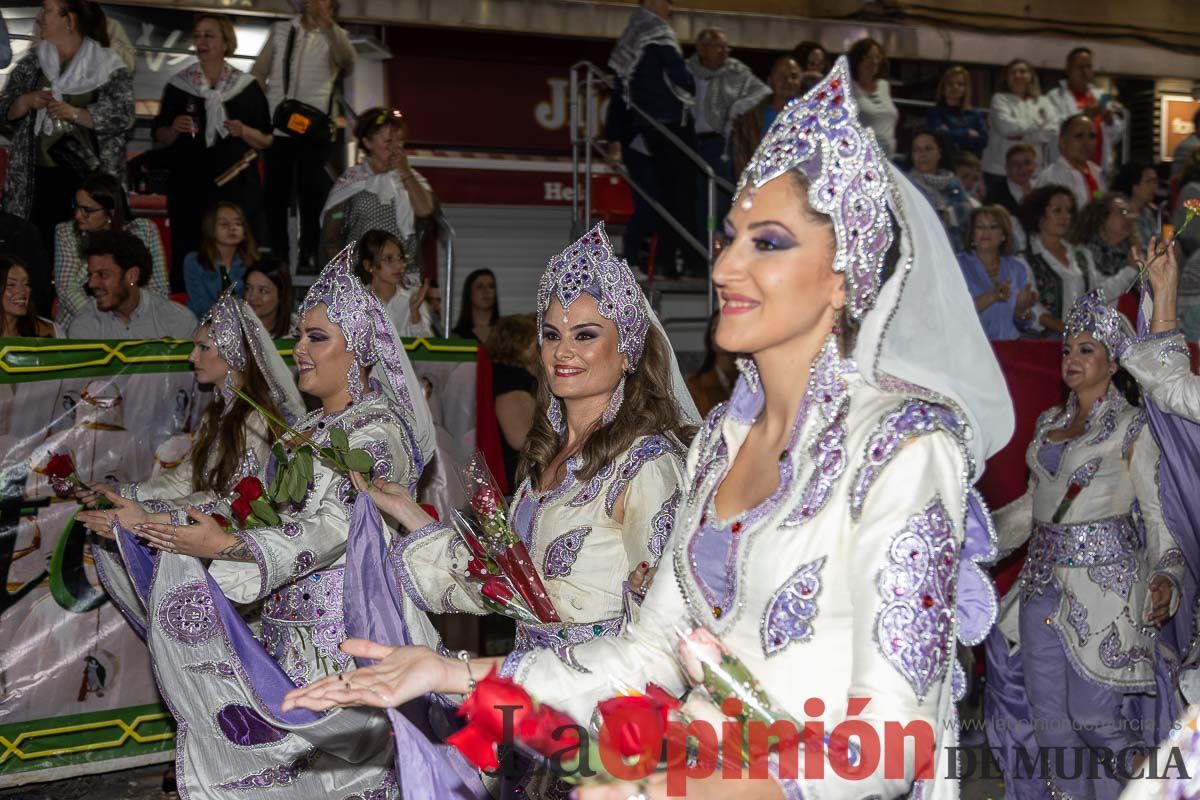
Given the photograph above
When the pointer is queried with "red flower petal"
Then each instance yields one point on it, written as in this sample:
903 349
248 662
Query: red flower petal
249 488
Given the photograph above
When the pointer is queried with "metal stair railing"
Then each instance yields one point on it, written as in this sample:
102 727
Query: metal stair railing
587 75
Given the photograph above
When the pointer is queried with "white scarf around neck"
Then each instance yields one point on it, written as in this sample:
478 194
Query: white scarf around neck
231 83
90 68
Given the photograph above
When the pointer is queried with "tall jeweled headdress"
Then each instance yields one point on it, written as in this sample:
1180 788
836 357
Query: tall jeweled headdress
372 337
820 136
238 334
589 266
1092 314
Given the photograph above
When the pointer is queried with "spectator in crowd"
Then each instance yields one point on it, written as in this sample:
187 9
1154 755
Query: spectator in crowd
1019 115
960 126
513 350
21 240
970 174
1105 228
751 126
269 294
651 73
940 186
226 246
725 89
100 205
1076 94
1020 164
1138 182
1183 150
5 45
18 311
713 382
212 118
301 61
1074 168
627 145
1061 270
382 266
383 192
868 64
811 57
479 310
433 302
1189 239
997 280
70 106
118 267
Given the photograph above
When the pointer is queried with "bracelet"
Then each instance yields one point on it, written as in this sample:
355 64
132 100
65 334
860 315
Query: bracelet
465 658
1164 320
75 116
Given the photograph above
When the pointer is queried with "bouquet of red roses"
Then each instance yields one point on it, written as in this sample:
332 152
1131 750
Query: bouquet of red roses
500 561
500 712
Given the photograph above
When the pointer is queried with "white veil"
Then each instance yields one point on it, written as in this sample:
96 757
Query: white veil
688 413
924 331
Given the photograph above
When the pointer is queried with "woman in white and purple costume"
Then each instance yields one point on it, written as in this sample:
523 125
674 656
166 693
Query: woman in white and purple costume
828 533
1103 572
224 680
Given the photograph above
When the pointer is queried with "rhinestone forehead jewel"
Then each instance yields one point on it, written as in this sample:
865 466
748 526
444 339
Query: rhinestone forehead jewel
820 136
352 306
1092 314
589 266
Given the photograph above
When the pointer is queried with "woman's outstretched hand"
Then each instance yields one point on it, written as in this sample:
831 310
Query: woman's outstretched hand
400 674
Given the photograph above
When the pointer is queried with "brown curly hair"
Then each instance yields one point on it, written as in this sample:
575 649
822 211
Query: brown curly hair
649 408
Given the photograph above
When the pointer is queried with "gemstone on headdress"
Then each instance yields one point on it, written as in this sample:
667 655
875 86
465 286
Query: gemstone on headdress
590 266
225 328
819 135
1093 315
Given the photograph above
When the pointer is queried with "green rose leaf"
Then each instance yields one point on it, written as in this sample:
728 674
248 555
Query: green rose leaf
360 460
304 464
262 509
339 439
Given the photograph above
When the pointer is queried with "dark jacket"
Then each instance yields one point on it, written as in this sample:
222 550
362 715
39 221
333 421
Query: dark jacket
660 67
1001 196
953 124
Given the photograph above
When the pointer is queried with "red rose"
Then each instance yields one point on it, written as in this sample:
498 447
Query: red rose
224 523
429 509
249 488
1073 491
635 723
477 570
494 698
60 466
485 502
549 732
241 510
498 590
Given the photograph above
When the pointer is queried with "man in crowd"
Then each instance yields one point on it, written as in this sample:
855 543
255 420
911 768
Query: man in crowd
785 81
1074 168
1076 94
653 76
302 60
725 88
119 266
1020 165
1184 150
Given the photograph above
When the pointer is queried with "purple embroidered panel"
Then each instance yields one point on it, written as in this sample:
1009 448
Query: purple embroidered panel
661 524
280 775
1084 474
186 614
1131 433
303 563
314 602
913 418
1118 576
1050 454
1077 618
792 609
523 517
244 727
914 628
649 449
1087 544
828 452
399 547
1112 656
512 662
590 489
562 552
561 638
1108 423
220 668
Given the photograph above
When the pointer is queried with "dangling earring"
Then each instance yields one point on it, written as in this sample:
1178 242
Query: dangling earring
554 414
614 402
